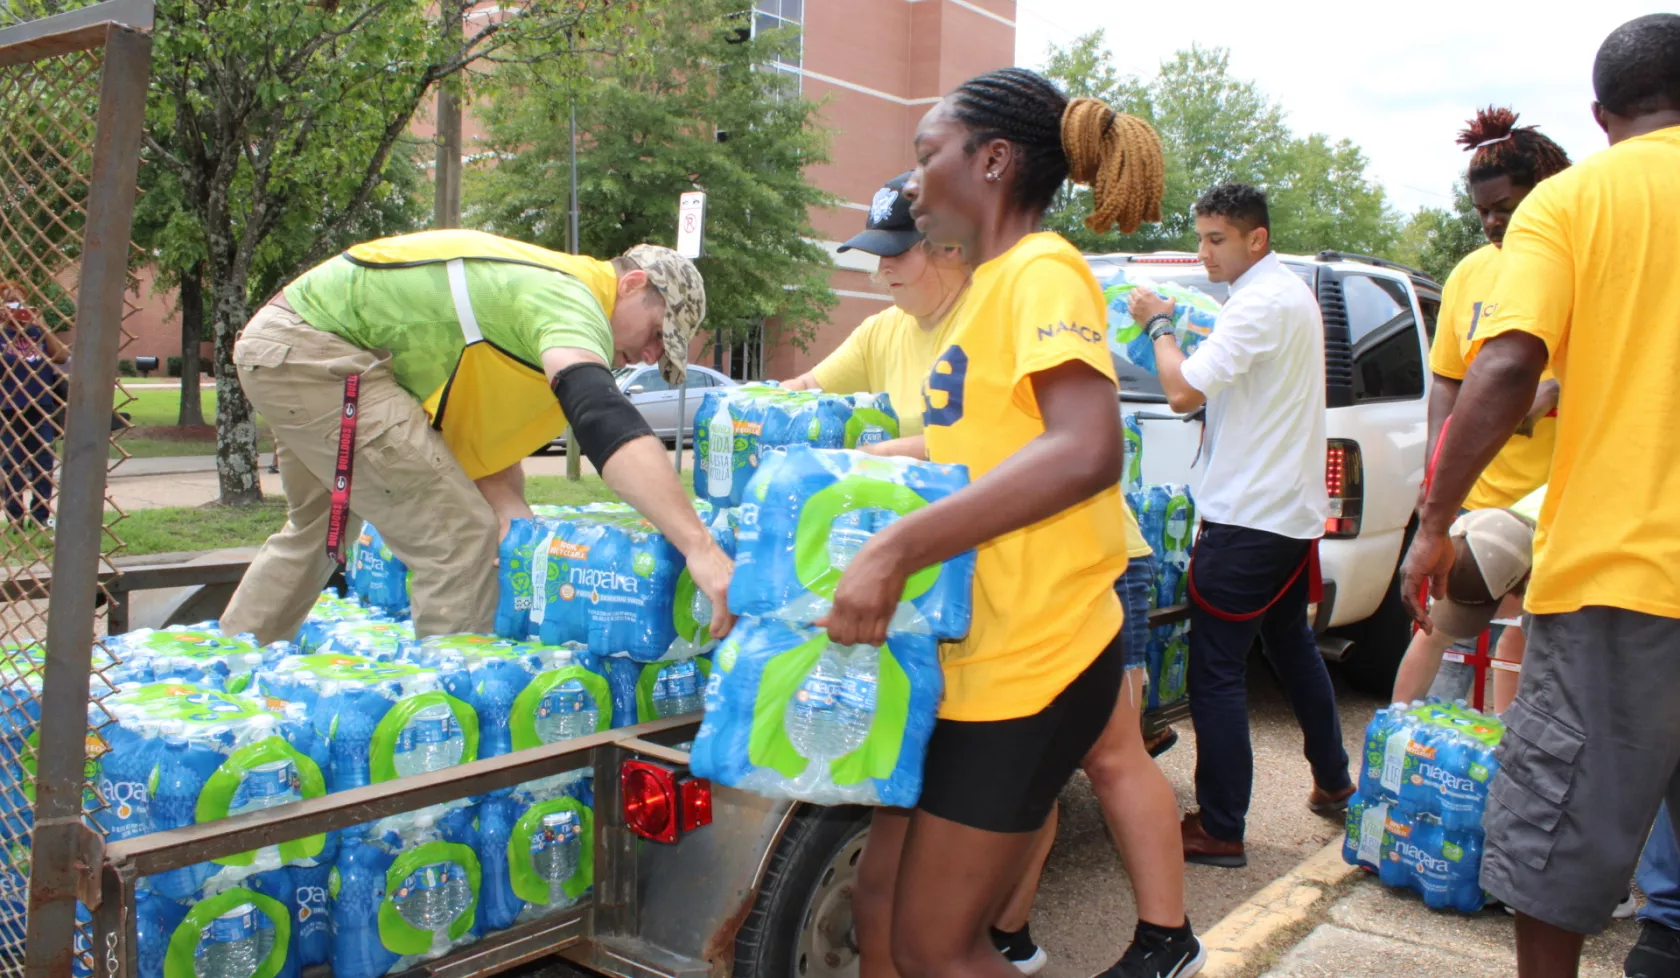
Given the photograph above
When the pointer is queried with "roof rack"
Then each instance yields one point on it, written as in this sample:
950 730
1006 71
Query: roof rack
1329 255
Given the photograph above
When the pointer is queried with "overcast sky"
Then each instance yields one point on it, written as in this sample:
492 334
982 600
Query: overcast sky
1399 79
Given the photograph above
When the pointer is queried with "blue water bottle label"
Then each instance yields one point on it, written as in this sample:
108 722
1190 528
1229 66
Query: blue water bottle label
818 693
236 925
264 784
858 693
568 697
425 731
558 828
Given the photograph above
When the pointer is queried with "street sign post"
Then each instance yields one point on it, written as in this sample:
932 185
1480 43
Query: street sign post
691 236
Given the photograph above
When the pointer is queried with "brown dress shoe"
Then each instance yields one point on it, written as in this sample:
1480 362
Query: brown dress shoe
1204 849
1331 803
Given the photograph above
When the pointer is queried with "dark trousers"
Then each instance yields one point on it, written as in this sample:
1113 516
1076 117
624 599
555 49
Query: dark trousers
26 451
1238 570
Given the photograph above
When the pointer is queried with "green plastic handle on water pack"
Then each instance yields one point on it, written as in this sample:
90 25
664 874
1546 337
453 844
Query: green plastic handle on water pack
528 884
219 789
816 518
398 935
688 628
1178 503
382 752
877 756
523 721
178 958
645 710
868 417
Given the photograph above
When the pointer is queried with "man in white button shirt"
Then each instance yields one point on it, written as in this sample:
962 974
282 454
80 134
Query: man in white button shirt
1262 500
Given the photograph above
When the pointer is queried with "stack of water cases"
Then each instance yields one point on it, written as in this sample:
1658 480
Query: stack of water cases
737 427
1193 317
790 714
205 725
376 577
1167 517
1417 818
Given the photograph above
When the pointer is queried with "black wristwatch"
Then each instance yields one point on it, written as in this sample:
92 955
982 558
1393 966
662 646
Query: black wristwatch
1158 326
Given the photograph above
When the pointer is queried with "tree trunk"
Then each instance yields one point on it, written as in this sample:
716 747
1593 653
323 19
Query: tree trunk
237 469
192 335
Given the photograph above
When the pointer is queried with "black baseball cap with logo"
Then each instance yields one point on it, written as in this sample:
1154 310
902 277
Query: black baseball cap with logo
891 230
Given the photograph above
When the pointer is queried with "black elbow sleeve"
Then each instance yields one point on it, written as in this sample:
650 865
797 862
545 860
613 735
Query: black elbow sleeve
602 419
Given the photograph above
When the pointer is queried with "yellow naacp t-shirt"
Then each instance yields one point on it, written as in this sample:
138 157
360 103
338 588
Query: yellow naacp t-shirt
1526 460
1596 247
1044 601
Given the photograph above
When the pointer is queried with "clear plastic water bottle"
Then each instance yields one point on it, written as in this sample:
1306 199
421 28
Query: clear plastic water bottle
567 711
720 453
233 945
846 536
677 690
266 786
856 712
701 606
430 742
810 716
556 851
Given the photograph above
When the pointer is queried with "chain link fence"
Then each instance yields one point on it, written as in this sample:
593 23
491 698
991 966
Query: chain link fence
57 298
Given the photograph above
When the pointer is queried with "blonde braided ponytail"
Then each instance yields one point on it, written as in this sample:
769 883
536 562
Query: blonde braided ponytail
1119 157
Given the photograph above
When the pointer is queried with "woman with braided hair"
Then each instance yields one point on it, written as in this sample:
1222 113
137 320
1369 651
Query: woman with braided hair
1507 161
1024 396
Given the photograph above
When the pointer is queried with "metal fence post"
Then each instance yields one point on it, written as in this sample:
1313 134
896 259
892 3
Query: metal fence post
60 836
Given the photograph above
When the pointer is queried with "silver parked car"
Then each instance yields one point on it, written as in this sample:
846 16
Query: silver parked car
657 400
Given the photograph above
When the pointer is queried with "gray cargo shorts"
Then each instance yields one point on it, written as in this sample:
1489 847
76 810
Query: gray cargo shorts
1591 749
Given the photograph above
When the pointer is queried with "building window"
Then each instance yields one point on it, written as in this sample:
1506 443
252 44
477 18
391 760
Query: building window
770 15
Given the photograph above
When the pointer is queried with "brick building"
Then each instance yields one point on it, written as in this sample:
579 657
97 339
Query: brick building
875 65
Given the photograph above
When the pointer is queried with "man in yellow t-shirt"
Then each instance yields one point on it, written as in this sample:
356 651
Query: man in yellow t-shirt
1592 743
1508 161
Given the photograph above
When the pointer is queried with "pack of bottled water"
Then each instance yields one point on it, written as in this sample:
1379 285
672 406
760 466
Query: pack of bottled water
524 695
604 578
737 427
1193 318
199 653
403 898
330 609
375 576
791 715
274 921
806 515
644 691
374 638
178 754
1417 817
1168 662
380 720
1133 429
1166 515
536 850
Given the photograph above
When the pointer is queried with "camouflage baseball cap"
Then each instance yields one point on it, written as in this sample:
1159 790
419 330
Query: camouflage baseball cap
678 282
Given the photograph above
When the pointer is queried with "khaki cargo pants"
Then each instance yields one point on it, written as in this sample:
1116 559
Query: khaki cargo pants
405 481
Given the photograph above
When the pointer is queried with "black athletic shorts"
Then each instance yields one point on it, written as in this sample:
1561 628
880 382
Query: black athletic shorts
1004 775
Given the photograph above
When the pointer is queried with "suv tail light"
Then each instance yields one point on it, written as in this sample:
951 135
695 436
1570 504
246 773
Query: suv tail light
659 805
1344 478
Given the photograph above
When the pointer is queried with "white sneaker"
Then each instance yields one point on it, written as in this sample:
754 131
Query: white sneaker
1627 908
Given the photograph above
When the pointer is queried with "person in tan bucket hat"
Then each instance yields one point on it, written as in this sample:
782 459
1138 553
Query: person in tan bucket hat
427 366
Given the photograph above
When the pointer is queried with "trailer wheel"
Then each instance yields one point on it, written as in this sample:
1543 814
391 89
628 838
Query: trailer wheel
801 924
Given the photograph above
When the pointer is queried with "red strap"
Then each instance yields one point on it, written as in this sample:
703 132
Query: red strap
1315 587
340 513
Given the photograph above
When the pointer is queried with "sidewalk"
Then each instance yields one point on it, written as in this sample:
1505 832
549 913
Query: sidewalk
1329 919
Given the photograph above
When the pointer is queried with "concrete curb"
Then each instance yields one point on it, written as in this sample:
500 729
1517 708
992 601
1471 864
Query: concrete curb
1254 935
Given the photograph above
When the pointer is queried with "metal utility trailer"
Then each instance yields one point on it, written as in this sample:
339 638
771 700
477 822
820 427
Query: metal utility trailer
691 879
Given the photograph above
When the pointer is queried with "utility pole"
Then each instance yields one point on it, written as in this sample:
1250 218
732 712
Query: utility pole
574 462
446 202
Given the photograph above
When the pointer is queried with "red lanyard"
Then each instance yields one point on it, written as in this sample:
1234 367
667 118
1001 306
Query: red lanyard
340 513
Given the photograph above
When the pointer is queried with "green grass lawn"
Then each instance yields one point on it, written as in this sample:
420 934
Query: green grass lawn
171 529
156 407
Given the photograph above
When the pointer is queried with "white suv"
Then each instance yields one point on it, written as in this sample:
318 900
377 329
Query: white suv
1378 320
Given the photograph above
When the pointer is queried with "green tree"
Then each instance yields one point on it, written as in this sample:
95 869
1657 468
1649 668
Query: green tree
280 122
1217 128
689 103
1436 239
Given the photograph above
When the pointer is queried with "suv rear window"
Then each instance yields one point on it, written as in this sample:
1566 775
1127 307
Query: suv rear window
1135 381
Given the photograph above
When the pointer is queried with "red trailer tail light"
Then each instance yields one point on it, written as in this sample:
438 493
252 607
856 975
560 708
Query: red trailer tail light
660 806
1344 481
